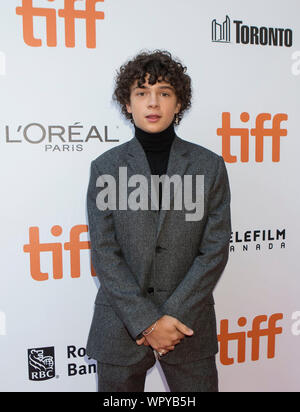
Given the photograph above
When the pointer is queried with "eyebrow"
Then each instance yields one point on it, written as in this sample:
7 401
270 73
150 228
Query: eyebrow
160 87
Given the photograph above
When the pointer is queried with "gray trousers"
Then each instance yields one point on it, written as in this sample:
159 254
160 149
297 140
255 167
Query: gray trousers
198 376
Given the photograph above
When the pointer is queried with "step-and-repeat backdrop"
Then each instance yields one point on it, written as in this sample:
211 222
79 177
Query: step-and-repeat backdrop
58 60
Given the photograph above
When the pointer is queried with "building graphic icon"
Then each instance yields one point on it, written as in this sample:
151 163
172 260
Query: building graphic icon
221 32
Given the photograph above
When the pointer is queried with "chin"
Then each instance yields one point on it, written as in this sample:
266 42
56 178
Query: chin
150 129
155 128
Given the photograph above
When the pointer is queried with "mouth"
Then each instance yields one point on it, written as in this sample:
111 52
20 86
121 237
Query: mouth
153 117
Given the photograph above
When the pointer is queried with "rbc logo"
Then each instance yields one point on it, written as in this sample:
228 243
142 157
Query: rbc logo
41 364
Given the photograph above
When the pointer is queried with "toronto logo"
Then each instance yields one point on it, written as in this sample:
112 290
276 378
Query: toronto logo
41 364
249 34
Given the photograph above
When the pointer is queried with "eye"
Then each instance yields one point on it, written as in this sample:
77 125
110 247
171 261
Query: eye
165 94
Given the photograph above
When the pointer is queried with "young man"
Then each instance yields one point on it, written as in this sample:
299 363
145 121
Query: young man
157 263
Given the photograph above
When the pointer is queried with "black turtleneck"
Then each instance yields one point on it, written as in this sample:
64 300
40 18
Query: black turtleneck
157 149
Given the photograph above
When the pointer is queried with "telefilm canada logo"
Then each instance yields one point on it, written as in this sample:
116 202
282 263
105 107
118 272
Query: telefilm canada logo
222 32
258 239
41 364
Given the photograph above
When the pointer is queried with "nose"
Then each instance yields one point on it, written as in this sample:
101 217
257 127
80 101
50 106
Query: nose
153 100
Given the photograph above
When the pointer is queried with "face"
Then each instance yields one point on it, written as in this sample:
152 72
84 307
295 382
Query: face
153 107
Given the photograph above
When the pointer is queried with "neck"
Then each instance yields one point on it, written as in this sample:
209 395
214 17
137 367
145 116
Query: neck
159 141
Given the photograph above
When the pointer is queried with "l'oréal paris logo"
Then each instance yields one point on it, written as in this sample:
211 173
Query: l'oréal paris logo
55 137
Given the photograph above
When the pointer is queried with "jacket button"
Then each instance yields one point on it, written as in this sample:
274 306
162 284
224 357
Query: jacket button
158 249
150 290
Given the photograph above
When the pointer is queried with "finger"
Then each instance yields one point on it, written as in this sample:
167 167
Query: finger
162 352
184 329
140 341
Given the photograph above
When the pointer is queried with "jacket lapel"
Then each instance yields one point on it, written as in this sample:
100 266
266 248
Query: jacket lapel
177 164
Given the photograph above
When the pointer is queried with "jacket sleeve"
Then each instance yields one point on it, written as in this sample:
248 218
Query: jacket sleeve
117 281
200 280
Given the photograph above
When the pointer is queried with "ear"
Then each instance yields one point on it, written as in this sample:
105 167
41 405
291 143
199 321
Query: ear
128 107
178 107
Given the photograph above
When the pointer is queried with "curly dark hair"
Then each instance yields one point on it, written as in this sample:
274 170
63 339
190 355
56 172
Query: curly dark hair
159 64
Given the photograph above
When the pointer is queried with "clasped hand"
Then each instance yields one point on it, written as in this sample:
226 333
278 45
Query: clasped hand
168 332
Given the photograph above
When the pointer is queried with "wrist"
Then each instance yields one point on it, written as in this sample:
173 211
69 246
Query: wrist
149 330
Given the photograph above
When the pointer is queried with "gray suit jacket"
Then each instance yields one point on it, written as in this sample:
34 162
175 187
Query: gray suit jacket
152 263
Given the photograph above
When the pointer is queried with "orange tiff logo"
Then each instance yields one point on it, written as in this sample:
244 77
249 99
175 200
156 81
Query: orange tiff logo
259 132
68 13
255 334
74 246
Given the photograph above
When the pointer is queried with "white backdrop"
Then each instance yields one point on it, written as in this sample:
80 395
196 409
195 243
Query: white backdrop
57 115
